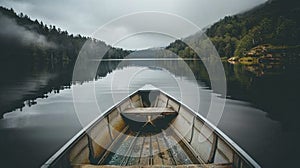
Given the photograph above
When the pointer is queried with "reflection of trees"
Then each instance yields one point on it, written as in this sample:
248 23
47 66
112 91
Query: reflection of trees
241 75
23 84
265 69
242 81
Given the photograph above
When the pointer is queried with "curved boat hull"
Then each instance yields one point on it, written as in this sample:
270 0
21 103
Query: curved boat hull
144 132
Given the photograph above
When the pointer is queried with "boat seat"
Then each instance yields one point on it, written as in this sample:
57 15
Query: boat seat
157 166
150 111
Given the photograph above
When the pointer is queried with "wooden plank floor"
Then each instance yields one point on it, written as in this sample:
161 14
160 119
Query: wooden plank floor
157 166
145 148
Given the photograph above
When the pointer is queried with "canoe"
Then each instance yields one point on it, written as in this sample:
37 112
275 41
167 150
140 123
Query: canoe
150 128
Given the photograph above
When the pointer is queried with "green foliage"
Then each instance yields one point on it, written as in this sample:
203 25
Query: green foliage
65 47
275 22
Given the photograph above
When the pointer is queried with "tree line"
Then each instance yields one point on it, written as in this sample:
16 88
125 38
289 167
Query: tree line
61 48
276 22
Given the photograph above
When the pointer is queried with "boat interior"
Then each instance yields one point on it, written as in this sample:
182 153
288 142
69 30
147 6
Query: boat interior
149 129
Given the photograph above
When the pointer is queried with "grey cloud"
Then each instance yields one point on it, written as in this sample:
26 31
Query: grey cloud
146 30
138 41
10 29
84 17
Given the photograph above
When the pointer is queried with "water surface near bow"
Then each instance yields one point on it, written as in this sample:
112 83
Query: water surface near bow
29 136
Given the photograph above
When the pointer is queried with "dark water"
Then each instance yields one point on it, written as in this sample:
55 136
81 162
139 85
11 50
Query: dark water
260 114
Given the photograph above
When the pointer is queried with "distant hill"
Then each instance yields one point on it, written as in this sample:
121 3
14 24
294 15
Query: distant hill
32 42
276 23
36 59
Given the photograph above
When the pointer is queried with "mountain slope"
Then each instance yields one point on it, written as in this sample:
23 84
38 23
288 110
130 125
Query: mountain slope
22 39
276 22
36 59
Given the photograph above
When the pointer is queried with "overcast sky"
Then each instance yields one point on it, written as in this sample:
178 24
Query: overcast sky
85 16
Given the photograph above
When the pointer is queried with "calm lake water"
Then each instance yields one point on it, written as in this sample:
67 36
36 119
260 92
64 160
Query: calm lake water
260 113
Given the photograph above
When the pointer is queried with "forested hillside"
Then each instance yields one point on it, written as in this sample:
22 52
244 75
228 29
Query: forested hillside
276 22
27 41
37 59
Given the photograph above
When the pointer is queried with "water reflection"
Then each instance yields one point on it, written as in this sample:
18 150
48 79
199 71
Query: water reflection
264 123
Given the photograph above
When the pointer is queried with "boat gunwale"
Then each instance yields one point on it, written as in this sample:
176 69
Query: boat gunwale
57 155
236 148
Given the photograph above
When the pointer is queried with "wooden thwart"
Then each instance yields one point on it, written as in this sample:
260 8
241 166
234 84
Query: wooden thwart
145 137
150 111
